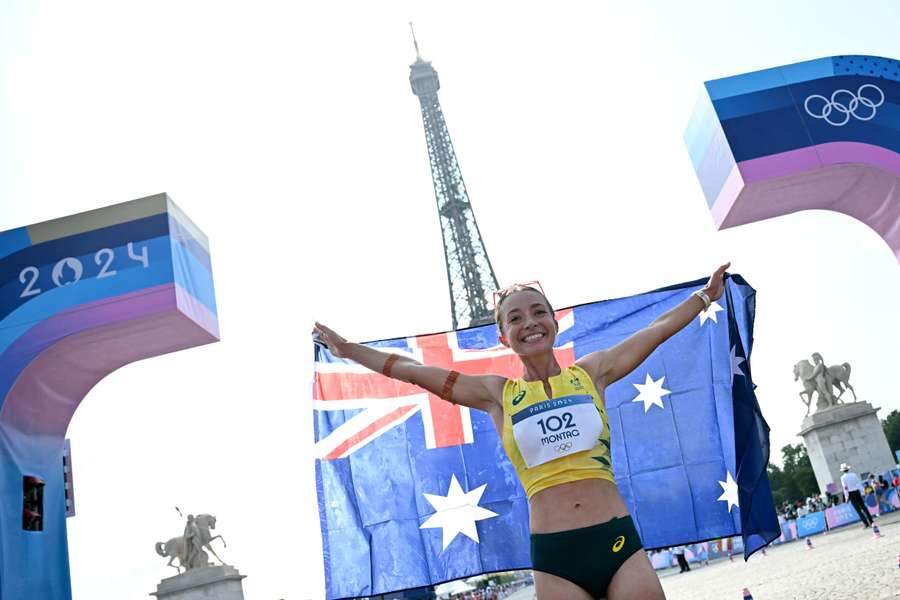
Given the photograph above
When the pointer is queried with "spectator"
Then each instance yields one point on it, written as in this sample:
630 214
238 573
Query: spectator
820 504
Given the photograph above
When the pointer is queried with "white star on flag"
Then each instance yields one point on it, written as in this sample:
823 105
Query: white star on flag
736 362
729 491
710 313
457 512
651 392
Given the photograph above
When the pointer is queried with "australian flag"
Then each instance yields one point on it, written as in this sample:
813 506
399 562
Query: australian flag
415 491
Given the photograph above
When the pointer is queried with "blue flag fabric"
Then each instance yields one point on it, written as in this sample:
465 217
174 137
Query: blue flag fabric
414 491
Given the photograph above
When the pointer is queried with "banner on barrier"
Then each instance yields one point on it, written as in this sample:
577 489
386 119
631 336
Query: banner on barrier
892 499
662 560
697 552
788 532
724 547
811 524
693 553
842 514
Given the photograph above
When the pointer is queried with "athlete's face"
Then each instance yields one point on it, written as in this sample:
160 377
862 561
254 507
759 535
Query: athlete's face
528 324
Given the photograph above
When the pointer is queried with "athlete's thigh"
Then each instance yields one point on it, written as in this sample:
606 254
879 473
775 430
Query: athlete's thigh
635 580
551 587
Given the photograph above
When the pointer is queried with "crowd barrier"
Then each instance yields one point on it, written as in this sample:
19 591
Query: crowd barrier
807 525
836 516
811 524
693 553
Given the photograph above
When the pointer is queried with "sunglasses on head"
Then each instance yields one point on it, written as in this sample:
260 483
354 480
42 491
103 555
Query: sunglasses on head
516 287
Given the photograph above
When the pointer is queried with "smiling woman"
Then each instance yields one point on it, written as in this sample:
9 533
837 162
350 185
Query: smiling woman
554 429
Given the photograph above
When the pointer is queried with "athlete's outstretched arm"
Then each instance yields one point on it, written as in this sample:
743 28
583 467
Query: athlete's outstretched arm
608 366
475 391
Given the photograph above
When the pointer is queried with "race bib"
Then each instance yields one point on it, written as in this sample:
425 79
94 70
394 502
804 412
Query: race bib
556 428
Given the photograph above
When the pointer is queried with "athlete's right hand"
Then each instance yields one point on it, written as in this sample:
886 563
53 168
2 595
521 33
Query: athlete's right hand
330 338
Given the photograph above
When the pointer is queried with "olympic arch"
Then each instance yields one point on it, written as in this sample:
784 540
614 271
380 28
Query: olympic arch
80 297
821 134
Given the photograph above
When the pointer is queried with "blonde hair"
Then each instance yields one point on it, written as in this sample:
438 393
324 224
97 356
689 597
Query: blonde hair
509 291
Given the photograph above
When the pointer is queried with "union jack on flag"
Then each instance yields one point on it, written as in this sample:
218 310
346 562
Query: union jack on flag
415 491
384 403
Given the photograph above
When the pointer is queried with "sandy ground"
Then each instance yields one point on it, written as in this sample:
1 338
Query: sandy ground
844 564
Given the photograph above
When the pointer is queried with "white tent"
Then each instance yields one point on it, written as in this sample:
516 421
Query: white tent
453 587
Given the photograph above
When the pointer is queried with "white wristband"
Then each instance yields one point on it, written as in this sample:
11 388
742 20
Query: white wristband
703 298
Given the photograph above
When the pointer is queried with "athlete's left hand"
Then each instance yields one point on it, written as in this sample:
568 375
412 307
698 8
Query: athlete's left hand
716 284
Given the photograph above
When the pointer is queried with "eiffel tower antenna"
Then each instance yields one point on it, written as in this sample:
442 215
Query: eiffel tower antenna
415 43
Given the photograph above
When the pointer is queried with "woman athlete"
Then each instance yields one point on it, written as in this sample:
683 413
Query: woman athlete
554 429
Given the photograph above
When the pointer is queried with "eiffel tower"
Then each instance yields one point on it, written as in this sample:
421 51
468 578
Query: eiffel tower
469 273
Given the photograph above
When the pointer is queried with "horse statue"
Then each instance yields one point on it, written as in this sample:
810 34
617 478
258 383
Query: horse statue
834 376
177 547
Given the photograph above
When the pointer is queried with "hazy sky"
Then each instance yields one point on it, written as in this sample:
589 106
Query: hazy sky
288 132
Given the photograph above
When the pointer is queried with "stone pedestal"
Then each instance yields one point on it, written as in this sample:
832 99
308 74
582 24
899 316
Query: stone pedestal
846 433
206 583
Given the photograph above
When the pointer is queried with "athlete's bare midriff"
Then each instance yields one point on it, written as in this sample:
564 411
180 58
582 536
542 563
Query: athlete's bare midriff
574 505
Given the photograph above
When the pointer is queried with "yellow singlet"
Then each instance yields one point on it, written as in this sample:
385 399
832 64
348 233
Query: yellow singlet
560 439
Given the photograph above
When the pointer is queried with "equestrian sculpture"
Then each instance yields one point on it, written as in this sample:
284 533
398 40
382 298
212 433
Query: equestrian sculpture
188 548
822 380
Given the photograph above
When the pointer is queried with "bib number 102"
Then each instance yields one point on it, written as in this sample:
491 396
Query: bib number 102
69 270
554 423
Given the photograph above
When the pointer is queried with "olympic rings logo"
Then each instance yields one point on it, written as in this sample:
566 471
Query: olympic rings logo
564 447
845 103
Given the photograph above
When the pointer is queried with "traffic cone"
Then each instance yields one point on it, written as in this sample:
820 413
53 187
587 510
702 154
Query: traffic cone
809 545
876 533
746 594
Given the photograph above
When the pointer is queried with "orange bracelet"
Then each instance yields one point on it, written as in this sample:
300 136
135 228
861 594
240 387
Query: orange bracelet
447 392
386 369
